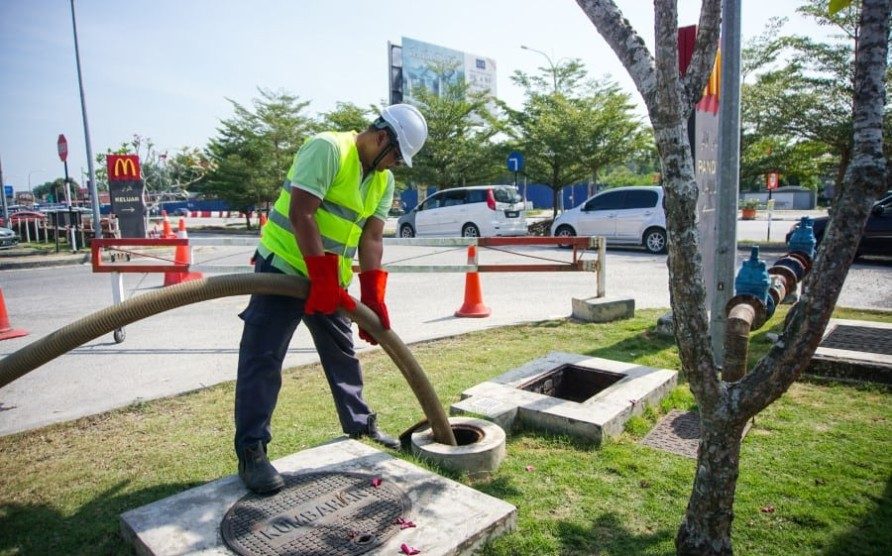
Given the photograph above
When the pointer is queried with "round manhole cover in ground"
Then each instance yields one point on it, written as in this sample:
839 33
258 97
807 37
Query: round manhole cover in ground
317 514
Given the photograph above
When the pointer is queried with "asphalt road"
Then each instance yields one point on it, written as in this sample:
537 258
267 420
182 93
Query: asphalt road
195 346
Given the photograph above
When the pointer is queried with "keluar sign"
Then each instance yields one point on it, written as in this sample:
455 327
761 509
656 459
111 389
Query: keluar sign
127 192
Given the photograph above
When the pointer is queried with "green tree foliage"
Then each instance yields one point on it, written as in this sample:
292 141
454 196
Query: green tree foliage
253 149
54 189
347 117
797 112
613 132
185 169
570 129
460 148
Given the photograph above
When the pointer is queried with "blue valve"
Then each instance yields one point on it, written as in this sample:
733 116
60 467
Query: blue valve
803 238
752 279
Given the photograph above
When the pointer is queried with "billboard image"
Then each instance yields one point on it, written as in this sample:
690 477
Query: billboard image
420 65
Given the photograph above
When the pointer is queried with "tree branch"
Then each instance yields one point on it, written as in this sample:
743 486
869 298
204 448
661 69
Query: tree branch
864 180
625 43
703 59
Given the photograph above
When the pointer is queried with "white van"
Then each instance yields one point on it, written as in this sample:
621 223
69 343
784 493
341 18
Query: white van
476 211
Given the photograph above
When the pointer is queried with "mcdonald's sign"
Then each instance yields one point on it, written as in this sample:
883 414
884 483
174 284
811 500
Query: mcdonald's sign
709 102
123 167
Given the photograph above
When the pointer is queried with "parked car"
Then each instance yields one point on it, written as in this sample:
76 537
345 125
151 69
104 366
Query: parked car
877 237
476 211
624 215
8 238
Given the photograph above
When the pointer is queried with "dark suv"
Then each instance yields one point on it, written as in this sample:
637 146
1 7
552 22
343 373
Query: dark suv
877 237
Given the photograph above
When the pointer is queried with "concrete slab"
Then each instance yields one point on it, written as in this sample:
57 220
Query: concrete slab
450 518
603 309
854 350
503 400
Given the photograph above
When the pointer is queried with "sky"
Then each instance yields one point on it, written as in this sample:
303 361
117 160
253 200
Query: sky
164 69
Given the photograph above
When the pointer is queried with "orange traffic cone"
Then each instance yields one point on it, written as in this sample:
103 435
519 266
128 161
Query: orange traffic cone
166 232
6 331
473 305
181 257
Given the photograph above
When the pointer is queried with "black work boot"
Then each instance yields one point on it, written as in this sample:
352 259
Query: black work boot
255 470
373 433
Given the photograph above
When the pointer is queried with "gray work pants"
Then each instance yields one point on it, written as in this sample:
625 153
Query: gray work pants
270 322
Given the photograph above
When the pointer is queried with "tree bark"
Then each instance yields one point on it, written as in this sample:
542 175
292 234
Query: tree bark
707 521
725 407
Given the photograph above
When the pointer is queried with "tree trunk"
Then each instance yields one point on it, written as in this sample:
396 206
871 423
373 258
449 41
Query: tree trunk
554 201
706 528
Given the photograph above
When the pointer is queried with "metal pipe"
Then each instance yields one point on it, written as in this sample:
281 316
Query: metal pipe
737 338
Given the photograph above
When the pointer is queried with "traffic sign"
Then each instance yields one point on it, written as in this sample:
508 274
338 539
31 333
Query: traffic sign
62 146
7 189
772 180
515 162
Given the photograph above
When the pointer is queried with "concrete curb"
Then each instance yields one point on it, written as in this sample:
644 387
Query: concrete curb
40 261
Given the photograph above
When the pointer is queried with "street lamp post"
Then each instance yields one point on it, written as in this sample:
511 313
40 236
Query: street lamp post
94 191
31 191
550 63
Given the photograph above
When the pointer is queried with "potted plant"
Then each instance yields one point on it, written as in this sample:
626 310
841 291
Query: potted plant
748 209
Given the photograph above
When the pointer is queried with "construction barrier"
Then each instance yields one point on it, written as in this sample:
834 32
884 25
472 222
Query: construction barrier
148 260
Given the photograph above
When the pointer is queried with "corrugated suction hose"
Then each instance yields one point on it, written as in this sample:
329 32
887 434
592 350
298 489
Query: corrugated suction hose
111 318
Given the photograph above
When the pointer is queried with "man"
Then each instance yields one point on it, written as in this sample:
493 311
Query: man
334 203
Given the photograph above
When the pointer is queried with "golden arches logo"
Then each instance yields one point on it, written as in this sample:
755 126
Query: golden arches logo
709 102
123 167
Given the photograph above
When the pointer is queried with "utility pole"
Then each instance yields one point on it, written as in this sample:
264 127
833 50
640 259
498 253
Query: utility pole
94 191
728 178
3 191
553 68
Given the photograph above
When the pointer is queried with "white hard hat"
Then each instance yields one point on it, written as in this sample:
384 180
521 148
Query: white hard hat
409 126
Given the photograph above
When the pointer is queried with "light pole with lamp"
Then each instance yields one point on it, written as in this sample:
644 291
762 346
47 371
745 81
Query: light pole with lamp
550 63
554 84
31 191
94 192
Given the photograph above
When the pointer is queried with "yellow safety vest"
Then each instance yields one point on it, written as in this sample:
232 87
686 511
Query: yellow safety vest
340 218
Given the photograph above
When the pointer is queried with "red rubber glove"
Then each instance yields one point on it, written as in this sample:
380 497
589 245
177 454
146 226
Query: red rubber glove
326 294
372 284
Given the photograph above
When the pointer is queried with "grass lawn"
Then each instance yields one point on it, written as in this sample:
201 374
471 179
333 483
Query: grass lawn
815 471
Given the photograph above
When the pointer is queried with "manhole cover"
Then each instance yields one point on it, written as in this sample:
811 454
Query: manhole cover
317 514
678 432
859 338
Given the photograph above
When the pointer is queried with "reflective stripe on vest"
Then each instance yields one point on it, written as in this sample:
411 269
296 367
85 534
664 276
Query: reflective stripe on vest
340 217
328 243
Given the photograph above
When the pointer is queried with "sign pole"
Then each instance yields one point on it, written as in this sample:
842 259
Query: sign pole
5 208
728 186
67 186
94 191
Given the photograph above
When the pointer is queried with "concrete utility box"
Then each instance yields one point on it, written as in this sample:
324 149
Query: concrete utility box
603 309
586 397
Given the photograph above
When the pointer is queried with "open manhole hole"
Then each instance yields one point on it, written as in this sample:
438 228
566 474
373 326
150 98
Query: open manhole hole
859 338
317 514
572 383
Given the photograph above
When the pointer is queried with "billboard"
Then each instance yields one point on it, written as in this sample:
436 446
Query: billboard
127 191
420 65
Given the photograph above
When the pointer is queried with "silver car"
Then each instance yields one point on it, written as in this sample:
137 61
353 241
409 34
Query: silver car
624 215
8 238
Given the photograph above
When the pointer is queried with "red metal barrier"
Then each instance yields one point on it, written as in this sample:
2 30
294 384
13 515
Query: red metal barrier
117 245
